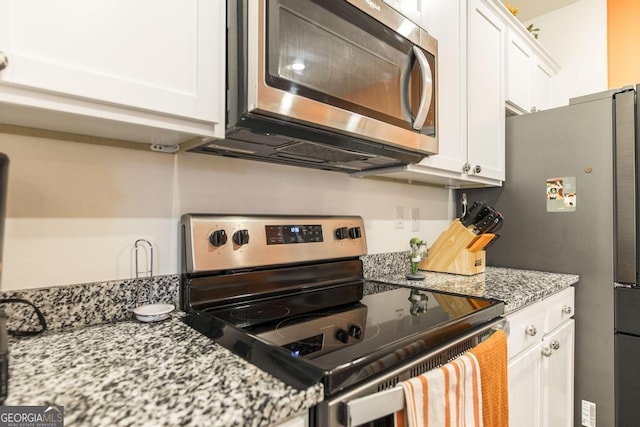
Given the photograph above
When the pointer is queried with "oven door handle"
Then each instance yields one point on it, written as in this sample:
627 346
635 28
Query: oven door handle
369 408
417 122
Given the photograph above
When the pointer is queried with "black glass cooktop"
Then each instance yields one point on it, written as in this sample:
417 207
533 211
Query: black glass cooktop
348 343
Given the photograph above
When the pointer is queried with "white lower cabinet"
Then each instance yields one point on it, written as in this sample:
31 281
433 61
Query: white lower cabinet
525 384
557 379
541 357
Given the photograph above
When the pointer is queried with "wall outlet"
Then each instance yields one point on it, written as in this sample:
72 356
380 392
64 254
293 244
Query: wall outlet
399 216
415 219
588 414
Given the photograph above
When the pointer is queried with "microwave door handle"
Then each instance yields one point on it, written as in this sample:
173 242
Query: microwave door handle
427 89
405 76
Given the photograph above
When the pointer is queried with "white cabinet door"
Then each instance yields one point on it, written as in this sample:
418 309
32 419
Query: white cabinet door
444 23
520 78
143 54
525 376
557 383
485 88
530 71
151 64
543 86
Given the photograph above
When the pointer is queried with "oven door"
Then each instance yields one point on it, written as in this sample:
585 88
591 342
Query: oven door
376 402
333 65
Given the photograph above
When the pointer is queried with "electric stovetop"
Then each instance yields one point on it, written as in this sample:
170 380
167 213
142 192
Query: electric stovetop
345 344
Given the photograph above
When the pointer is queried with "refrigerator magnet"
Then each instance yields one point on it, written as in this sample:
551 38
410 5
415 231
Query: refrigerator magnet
561 194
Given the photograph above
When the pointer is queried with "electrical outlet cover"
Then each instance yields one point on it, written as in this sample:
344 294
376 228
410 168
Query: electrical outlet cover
415 219
399 216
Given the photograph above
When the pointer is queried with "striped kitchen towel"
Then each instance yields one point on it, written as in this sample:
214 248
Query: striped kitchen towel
450 396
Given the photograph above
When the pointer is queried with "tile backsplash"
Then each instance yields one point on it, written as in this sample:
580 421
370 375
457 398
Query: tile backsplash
376 265
66 307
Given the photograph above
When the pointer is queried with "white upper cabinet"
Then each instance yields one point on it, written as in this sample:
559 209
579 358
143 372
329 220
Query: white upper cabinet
485 91
150 65
543 84
444 23
530 71
520 72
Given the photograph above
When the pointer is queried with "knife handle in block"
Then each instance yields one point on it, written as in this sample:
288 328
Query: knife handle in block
482 241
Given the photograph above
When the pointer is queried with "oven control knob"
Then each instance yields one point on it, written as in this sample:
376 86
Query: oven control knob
355 232
355 331
218 238
342 336
241 237
342 233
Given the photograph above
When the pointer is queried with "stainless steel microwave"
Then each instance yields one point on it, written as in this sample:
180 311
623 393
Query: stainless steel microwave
342 85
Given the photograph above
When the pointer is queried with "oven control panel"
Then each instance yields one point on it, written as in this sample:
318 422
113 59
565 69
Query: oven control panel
222 242
292 234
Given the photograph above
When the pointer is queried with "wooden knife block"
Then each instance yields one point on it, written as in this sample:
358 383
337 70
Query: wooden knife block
449 253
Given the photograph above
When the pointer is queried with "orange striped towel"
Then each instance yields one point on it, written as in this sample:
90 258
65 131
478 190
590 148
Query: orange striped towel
492 357
449 396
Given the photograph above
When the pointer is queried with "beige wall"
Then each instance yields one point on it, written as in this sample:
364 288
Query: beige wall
576 37
74 210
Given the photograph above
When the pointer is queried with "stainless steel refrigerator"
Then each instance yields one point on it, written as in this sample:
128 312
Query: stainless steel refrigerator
570 203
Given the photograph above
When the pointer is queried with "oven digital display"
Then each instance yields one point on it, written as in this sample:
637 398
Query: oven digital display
305 346
289 234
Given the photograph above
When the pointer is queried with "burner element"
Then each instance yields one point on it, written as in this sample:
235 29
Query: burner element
262 312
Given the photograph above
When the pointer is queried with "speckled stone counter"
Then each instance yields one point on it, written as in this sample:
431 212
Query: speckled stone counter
130 373
517 288
136 374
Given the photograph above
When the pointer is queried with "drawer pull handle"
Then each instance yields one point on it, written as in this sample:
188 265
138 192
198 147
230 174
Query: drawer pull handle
531 330
566 309
548 351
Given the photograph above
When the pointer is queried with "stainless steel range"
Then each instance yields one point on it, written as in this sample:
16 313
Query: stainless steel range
287 293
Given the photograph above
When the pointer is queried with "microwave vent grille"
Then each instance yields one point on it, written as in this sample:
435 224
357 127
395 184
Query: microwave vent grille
316 152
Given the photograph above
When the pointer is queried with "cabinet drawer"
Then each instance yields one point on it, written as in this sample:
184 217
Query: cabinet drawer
526 327
560 308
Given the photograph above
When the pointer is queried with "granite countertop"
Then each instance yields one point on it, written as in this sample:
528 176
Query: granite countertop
517 288
132 373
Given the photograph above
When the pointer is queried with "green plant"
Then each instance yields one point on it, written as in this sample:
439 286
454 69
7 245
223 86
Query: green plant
534 31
